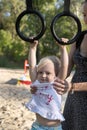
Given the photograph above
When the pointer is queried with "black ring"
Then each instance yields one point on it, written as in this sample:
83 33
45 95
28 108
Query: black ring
53 31
18 25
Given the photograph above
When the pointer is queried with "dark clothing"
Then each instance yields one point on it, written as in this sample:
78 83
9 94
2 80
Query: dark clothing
75 110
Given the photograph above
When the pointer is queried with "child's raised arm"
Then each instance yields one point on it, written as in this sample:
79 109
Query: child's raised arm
64 62
32 60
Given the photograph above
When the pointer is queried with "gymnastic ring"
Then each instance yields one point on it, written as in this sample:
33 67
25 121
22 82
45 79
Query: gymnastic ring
53 31
80 38
38 36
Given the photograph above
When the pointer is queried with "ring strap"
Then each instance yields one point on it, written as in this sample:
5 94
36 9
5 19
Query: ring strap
29 4
67 5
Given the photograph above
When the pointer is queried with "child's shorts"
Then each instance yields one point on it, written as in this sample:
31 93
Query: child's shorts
37 126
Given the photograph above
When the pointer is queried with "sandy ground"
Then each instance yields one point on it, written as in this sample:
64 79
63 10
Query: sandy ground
13 96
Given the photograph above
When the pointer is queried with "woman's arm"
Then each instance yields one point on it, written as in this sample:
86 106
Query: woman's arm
32 60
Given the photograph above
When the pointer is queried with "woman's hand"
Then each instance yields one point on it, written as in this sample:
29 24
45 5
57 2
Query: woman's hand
61 86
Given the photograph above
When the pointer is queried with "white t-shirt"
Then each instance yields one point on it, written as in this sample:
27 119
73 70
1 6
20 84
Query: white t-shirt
46 102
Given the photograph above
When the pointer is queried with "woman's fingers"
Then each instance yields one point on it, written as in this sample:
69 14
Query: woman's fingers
61 86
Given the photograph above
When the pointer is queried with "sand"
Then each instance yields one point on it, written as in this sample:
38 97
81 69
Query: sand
13 96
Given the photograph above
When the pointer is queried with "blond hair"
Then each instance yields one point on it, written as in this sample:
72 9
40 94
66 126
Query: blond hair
55 60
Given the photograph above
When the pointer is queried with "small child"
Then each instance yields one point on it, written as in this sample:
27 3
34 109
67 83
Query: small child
45 102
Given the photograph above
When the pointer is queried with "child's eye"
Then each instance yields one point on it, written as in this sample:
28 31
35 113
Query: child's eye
48 73
84 15
40 72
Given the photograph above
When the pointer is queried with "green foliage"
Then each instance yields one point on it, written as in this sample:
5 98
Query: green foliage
5 41
18 51
12 49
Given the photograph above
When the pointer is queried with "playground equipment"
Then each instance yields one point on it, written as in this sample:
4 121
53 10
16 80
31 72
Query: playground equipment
66 12
25 79
21 31
26 65
24 34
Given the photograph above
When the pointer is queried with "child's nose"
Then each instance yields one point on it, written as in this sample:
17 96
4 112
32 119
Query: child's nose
44 74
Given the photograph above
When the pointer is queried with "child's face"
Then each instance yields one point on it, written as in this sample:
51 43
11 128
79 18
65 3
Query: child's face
46 73
85 12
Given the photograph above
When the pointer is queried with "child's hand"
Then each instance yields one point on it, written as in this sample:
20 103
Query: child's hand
65 40
33 89
34 44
